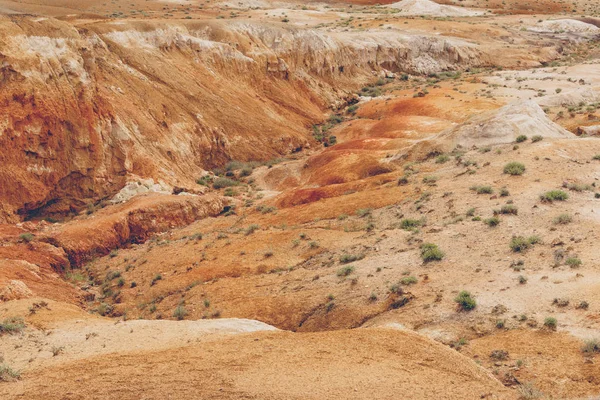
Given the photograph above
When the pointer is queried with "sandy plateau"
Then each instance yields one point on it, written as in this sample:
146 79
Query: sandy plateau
216 199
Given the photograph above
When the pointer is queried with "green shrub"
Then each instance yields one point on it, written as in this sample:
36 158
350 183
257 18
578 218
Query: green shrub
7 374
578 187
537 138
521 138
504 192
430 180
180 312
563 219
431 252
12 326
345 271
156 278
550 323
348 258
514 168
251 229
26 237
554 195
596 157
465 301
363 212
520 243
573 262
410 224
482 189
591 346
220 183
408 280
509 209
442 158
492 222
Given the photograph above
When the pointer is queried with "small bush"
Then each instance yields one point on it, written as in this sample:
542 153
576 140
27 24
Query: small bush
180 312
221 183
12 326
482 189
521 138
157 278
578 187
492 222
409 280
514 168
550 323
345 271
410 224
504 192
251 229
7 374
554 195
348 258
431 252
591 346
465 301
522 279
562 219
520 243
573 262
537 138
363 212
596 157
430 180
442 158
509 209
26 237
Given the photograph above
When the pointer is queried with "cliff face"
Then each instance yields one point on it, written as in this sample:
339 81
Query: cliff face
87 107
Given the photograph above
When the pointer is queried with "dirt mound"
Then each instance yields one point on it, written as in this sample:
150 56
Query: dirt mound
490 128
428 7
376 363
565 25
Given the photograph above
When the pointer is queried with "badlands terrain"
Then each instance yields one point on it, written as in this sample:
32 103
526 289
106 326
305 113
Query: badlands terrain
253 199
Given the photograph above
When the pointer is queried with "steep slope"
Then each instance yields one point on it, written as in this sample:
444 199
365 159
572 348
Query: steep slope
87 108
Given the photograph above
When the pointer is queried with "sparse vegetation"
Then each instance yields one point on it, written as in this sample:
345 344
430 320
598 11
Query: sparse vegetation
465 301
7 374
521 138
509 209
431 252
562 219
550 323
573 262
345 271
554 195
591 346
180 312
223 182
520 243
410 223
408 280
492 222
482 189
348 258
514 168
26 237
12 326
